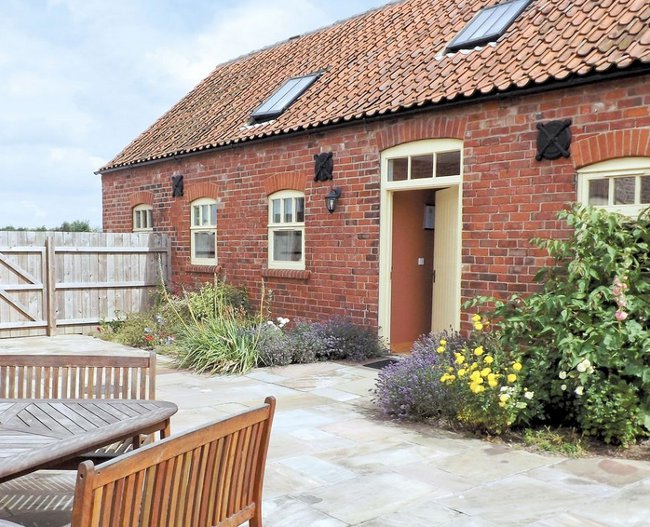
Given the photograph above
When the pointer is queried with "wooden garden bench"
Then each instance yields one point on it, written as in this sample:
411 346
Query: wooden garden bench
77 376
210 476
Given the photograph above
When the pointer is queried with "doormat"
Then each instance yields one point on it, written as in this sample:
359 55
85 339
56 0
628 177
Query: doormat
380 364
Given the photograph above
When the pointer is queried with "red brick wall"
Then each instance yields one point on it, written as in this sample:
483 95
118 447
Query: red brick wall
508 196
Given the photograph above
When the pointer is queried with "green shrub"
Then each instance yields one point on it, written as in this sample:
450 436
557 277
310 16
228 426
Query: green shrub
139 330
411 387
336 339
586 336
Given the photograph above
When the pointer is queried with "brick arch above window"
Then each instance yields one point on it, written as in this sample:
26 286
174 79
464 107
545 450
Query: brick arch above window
611 145
284 182
144 197
407 131
204 189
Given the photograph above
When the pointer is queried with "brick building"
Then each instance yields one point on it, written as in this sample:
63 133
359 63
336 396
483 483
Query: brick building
457 130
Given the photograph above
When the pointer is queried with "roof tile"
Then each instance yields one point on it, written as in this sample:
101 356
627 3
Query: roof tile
392 58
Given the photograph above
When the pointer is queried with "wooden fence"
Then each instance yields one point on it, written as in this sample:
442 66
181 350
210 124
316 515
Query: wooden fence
63 282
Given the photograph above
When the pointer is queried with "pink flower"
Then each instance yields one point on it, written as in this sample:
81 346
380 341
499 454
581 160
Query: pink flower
620 315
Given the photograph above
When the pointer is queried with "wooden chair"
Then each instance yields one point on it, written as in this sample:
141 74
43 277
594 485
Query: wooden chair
77 376
46 497
210 476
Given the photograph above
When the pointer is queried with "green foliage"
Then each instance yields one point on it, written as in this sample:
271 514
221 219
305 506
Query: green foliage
489 381
586 334
75 226
555 441
225 343
211 330
133 329
335 339
411 387
66 226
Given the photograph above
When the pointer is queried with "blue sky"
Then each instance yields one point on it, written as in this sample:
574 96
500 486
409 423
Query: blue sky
80 79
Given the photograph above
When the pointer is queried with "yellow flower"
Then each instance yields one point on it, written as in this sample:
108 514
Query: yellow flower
502 404
475 375
517 366
459 358
504 397
450 369
441 349
478 326
475 387
488 359
476 318
443 342
485 372
512 377
474 366
479 351
462 372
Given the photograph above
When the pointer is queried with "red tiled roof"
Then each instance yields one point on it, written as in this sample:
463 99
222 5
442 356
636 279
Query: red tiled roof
392 59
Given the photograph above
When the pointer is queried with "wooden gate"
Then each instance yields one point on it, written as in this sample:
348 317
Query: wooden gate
64 282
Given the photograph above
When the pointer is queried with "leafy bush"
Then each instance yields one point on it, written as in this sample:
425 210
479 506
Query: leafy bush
411 387
336 339
489 382
225 343
139 330
586 336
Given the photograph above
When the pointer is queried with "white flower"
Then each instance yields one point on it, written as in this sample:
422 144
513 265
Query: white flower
579 390
562 375
521 404
583 366
282 321
563 387
529 395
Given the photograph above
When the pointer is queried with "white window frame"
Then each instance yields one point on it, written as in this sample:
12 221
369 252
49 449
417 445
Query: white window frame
426 147
143 218
203 226
283 225
637 167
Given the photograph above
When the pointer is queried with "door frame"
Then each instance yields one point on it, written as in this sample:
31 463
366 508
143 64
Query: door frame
388 188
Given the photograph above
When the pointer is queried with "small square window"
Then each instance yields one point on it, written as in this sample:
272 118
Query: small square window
422 167
398 169
448 164
599 192
624 190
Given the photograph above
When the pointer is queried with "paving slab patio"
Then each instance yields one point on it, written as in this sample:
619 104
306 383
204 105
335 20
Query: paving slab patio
333 462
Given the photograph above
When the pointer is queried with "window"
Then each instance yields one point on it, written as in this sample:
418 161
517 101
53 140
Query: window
283 97
203 228
287 230
142 218
424 166
488 25
619 185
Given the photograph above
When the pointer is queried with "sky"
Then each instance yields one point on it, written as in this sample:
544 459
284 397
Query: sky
80 79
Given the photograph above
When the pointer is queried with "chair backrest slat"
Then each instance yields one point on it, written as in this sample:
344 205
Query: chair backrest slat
77 376
208 477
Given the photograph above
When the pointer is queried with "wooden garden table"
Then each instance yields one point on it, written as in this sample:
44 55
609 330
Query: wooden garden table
57 433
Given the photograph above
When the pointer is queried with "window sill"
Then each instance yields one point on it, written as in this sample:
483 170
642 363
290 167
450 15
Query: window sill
206 269
290 274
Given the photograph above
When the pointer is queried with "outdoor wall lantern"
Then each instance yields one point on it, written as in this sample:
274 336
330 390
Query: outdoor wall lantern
332 197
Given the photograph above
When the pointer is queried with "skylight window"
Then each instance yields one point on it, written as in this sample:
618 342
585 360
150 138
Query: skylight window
488 25
284 97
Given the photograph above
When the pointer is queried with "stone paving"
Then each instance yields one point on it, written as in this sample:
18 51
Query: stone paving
334 463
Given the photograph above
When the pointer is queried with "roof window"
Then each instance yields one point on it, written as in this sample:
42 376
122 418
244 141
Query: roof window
283 97
488 25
